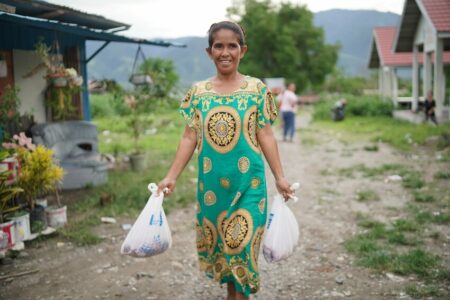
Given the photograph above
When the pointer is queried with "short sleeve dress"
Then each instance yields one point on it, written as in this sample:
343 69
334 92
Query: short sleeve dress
231 192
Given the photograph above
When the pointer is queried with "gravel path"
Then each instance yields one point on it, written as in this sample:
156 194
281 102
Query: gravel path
320 268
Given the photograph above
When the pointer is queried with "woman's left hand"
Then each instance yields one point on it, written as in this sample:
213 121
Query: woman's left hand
284 188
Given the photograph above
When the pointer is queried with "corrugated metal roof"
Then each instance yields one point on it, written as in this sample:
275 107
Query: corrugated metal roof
45 10
439 13
87 33
383 41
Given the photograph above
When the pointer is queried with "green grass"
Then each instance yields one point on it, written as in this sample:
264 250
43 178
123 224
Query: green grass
442 175
423 197
371 148
423 292
400 134
367 195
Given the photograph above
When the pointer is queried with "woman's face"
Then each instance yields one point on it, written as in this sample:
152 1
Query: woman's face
226 51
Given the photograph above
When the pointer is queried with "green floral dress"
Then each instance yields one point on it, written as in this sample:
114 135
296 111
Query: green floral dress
232 196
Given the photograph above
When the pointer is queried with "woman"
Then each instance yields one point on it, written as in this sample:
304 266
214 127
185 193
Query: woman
228 121
288 108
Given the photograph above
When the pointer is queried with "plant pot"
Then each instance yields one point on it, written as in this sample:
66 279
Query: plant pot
42 202
138 162
7 235
141 79
59 81
21 225
38 219
56 216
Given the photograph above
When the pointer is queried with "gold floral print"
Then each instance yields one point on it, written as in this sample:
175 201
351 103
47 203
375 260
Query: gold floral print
222 128
262 205
209 198
243 164
225 183
236 198
250 125
237 231
255 182
254 248
207 165
210 234
201 186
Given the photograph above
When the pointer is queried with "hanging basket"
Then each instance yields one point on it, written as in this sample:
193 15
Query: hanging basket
141 79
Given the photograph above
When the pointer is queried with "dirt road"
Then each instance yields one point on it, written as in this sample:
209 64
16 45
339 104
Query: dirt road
319 269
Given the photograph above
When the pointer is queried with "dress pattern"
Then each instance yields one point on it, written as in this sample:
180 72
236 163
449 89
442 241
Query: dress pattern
231 193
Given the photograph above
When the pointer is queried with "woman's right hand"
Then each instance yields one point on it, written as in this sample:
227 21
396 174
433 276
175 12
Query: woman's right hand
167 183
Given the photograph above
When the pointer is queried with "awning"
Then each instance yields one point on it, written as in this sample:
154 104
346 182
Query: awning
88 34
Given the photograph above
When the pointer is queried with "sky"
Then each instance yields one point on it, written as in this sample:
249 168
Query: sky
177 18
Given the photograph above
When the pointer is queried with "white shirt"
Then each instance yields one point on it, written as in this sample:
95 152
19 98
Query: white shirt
288 101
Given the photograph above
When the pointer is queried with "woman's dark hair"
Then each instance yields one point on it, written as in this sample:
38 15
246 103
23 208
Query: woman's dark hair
236 28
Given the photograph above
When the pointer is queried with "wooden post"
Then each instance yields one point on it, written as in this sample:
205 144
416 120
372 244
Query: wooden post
415 79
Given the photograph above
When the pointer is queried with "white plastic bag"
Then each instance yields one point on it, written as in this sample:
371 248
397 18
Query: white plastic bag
150 234
282 231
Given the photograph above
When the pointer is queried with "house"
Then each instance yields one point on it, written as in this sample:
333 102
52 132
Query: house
23 23
424 31
388 63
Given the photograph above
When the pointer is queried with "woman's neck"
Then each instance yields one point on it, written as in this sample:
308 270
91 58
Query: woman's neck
228 77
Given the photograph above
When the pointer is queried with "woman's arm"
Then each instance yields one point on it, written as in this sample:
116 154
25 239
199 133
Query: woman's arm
186 148
269 147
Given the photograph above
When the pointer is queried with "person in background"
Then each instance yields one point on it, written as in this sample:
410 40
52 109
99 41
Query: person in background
339 109
288 107
430 106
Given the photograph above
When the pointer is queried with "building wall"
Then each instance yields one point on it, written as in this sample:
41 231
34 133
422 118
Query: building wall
31 88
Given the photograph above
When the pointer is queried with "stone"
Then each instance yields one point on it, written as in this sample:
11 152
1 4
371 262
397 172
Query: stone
339 279
347 293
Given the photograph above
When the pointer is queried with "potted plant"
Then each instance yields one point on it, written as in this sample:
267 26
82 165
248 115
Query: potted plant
137 157
39 175
9 107
7 193
62 82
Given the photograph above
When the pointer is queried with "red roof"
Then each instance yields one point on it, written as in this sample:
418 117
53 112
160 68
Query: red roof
439 13
384 39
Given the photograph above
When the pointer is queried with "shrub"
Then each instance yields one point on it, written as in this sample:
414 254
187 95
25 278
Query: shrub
366 106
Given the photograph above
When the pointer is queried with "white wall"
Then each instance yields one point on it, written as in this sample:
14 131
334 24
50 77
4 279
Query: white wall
31 88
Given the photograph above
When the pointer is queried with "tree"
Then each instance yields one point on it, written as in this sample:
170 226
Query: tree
163 74
283 42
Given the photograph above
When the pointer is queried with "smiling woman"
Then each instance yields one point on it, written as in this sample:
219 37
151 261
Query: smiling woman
229 121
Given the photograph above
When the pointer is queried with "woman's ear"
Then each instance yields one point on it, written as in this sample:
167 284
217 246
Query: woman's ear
243 50
208 50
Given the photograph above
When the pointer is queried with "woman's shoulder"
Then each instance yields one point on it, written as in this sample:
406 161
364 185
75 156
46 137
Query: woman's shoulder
253 84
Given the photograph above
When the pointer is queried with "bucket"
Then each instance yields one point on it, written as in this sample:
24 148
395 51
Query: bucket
8 228
38 219
42 202
21 226
56 216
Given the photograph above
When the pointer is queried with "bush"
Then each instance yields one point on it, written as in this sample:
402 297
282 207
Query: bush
365 106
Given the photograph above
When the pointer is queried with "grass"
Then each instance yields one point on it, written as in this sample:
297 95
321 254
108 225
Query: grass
423 197
367 195
423 292
442 175
400 134
371 148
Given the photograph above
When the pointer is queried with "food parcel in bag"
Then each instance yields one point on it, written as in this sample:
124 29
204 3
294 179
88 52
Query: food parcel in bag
150 234
282 230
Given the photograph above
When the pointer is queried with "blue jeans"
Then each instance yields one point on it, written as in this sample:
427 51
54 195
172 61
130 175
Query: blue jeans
288 124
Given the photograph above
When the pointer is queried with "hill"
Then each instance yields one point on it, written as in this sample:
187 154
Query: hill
352 29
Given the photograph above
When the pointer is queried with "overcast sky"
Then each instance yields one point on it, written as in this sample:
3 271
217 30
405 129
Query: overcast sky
177 18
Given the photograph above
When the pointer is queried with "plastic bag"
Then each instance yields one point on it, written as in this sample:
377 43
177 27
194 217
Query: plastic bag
150 234
282 231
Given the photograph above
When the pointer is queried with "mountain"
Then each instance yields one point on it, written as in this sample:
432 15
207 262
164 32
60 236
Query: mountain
352 29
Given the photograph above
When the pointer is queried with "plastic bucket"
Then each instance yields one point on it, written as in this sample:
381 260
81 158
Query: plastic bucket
21 226
8 228
56 216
